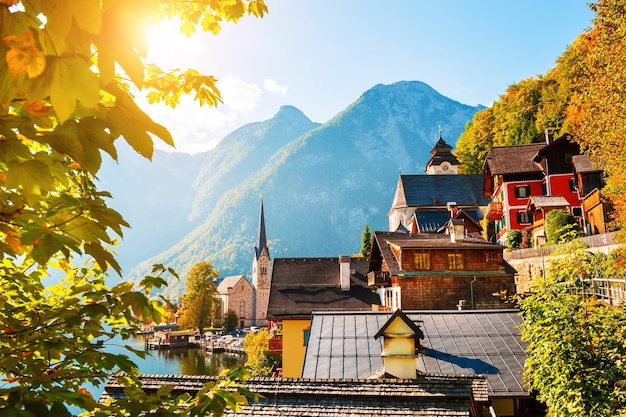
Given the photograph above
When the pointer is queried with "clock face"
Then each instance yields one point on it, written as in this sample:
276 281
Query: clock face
445 167
263 259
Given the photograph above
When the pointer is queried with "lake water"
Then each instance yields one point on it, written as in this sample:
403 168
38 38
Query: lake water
195 361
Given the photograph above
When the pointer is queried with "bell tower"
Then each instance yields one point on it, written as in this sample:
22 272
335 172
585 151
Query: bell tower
261 273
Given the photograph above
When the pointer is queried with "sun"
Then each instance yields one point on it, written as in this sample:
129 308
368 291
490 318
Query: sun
168 48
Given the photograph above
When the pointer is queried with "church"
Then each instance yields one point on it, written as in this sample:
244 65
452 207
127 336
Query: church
248 300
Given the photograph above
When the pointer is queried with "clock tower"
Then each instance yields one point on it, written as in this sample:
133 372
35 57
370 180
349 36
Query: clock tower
443 162
261 273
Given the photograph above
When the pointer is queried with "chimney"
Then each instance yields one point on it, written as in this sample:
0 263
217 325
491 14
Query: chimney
549 132
344 272
452 208
457 230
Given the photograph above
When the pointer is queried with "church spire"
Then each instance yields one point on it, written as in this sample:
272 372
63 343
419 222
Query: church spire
262 242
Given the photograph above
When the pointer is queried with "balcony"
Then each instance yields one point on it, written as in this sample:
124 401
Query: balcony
495 210
378 279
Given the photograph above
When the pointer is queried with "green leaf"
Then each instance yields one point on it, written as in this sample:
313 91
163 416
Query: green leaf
31 176
72 81
103 258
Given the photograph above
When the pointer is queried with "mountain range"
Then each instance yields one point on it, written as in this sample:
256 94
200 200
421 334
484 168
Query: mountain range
320 183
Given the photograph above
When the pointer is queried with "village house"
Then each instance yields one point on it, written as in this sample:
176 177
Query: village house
514 174
300 286
589 181
346 345
452 270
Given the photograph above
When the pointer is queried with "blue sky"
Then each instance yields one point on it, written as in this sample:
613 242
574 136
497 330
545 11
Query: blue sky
321 55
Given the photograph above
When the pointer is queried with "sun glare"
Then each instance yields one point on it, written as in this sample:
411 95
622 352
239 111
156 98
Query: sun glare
169 48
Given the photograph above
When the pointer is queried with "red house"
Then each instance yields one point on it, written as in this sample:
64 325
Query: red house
512 174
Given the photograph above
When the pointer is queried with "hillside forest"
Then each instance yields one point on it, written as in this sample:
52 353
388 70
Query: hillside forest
583 95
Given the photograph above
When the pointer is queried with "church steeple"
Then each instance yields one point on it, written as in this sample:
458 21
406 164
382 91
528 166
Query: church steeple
442 161
262 239
261 273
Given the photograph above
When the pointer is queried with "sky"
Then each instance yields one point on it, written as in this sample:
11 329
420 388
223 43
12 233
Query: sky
322 55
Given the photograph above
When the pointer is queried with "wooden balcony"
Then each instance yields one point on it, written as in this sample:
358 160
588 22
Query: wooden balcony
495 210
378 279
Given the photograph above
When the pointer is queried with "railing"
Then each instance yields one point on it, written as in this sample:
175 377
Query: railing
275 344
495 210
378 279
610 290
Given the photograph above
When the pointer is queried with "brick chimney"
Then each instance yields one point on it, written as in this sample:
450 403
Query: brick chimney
344 272
456 228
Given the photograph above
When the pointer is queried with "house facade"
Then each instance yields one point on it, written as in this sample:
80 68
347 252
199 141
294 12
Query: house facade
439 271
512 174
236 294
589 179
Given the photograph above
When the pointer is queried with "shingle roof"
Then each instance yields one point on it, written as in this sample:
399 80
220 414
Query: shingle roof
437 190
301 285
548 201
384 241
584 163
342 345
427 396
502 160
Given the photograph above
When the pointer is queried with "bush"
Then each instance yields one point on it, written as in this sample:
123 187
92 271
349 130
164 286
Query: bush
514 239
230 321
560 227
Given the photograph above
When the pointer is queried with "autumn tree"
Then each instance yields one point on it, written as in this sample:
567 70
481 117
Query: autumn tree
259 359
68 72
199 298
597 109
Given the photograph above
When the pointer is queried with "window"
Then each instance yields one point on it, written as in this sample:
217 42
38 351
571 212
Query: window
568 158
306 334
524 217
263 270
492 257
422 261
572 185
522 191
455 261
577 211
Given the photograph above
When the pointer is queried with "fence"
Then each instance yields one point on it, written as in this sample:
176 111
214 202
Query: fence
610 290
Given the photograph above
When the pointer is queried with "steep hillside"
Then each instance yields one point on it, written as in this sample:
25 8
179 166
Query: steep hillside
321 189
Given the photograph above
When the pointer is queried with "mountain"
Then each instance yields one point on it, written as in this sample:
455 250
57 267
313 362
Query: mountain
321 188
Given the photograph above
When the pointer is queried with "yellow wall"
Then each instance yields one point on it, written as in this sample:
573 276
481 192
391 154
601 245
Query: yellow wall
293 347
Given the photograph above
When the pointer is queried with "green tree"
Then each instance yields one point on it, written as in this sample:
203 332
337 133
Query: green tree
230 321
514 239
576 344
366 242
259 360
62 105
199 299
560 226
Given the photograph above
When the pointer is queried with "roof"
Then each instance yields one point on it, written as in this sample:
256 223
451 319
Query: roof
229 282
385 240
342 345
502 160
427 396
437 190
262 239
431 220
540 201
584 163
301 285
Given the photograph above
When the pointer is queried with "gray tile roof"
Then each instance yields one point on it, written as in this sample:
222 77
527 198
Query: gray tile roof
548 201
437 190
229 282
584 163
342 345
427 396
301 285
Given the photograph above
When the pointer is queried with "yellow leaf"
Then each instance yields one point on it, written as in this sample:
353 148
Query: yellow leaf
13 240
23 55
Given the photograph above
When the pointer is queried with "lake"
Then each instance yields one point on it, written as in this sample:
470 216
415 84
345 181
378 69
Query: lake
187 361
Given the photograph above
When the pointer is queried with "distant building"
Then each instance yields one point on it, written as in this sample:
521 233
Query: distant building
513 174
422 203
589 179
249 299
